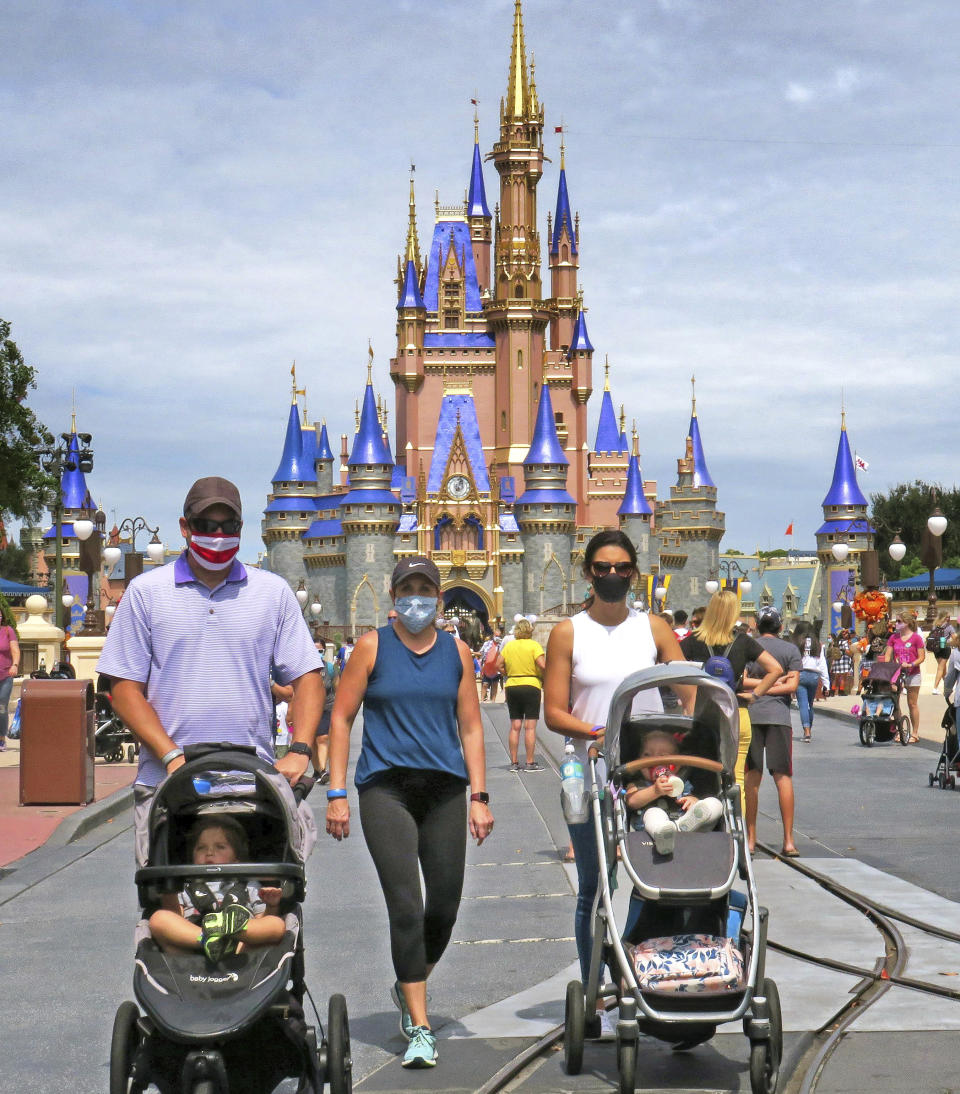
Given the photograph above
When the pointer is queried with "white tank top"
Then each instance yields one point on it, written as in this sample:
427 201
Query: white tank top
602 658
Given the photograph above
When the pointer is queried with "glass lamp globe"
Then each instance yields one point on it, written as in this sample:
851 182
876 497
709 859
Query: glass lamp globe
111 556
840 551
67 599
838 606
937 523
897 549
712 585
316 608
83 529
517 617
745 586
109 610
660 592
155 551
302 596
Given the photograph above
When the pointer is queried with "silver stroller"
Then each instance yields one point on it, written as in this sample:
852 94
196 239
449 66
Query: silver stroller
694 954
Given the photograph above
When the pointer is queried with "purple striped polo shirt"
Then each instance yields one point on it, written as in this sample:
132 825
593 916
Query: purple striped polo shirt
206 655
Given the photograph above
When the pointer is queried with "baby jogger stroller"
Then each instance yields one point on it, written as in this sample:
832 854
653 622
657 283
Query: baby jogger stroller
234 1024
948 762
880 717
694 954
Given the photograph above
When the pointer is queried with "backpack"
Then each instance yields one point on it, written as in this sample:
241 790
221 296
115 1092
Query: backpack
936 640
719 666
490 661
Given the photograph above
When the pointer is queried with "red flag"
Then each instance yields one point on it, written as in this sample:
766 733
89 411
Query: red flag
558 129
474 101
789 531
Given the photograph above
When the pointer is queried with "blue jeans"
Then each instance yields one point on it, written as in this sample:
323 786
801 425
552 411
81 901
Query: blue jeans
806 690
6 686
584 841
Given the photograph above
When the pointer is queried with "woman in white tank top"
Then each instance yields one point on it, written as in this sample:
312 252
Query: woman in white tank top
587 658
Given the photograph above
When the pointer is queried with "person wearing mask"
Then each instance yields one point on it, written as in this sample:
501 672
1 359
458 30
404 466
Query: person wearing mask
907 649
422 747
717 636
588 656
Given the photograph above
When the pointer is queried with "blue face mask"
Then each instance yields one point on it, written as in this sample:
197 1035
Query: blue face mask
416 612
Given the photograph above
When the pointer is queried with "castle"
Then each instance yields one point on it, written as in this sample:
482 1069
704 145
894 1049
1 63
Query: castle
493 474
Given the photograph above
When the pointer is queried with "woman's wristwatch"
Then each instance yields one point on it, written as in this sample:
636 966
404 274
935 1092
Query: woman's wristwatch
481 796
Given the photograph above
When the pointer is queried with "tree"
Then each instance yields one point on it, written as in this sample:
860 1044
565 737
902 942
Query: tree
905 509
15 564
23 486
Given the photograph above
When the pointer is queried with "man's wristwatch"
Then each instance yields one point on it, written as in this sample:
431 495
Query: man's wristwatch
301 749
481 796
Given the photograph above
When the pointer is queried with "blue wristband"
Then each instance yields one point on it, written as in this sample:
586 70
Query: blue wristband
332 794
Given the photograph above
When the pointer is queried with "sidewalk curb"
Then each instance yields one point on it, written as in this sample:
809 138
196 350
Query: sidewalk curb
78 824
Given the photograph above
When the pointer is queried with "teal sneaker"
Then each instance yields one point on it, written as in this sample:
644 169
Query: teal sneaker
406 1022
422 1050
220 931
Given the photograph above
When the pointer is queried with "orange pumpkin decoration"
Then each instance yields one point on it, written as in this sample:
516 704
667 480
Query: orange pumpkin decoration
870 605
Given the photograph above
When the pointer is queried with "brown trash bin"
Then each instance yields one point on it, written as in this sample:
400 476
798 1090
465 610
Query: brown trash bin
57 726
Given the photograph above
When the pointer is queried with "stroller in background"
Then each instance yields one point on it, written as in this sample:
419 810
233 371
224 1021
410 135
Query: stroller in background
237 1026
948 762
112 740
880 717
678 976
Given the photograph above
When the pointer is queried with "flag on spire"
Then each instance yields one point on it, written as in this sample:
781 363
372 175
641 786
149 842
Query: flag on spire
789 531
860 462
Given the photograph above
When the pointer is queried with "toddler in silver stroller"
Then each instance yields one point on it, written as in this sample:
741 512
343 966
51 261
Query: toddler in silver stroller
692 952
219 964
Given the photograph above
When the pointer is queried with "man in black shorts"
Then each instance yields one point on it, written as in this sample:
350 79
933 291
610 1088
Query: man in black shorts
772 732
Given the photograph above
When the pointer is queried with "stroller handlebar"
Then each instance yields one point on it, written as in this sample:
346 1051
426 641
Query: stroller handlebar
303 787
621 773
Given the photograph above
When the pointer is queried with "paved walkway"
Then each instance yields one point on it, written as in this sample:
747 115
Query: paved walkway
24 828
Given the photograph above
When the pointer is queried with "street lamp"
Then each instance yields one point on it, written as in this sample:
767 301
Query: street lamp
90 533
301 594
133 564
316 608
54 459
156 550
931 553
741 583
840 551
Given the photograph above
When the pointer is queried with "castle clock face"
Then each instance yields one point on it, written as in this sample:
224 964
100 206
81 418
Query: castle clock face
458 486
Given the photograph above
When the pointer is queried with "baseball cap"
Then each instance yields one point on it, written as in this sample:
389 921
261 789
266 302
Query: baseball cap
415 565
208 491
770 618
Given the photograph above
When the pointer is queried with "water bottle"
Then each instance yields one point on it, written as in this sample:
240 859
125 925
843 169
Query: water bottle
572 798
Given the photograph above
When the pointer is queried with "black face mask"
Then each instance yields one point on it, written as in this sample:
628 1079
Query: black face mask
611 588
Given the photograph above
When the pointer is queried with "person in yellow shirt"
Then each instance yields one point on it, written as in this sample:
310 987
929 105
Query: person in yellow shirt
521 663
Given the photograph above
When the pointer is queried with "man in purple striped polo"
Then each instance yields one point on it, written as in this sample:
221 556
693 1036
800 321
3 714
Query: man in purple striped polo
192 646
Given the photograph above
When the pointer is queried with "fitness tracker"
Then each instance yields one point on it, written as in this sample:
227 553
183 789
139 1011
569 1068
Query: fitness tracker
301 749
171 755
481 796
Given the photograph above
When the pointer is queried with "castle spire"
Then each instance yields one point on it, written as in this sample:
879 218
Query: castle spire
563 219
634 499
368 447
324 451
517 102
701 475
844 489
581 339
413 242
292 466
73 484
545 445
477 195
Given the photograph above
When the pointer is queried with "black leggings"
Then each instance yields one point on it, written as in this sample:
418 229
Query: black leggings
412 821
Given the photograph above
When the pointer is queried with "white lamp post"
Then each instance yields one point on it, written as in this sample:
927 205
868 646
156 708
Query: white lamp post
897 548
111 556
745 586
301 594
712 585
83 529
316 608
840 551
155 550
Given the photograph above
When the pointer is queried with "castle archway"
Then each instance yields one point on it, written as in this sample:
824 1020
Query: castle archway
466 599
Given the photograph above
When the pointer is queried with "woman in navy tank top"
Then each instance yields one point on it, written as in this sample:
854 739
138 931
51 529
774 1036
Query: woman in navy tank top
422 745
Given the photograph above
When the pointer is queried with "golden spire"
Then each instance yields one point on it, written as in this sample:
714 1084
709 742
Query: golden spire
606 373
517 90
303 392
296 390
636 439
413 243
73 412
563 150
476 120
369 368
356 414
693 395
623 419
843 412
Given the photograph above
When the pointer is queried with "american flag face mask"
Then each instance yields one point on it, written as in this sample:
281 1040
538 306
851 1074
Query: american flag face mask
214 552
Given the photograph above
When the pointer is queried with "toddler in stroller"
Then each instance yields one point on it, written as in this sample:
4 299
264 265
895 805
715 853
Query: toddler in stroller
222 998
880 717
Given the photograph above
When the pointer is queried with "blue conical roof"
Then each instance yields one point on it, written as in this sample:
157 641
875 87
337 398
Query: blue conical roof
701 476
844 489
324 452
73 485
309 449
608 434
623 441
634 500
292 466
368 443
563 217
545 445
410 296
581 340
477 197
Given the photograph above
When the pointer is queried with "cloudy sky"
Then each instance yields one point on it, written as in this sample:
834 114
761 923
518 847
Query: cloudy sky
194 194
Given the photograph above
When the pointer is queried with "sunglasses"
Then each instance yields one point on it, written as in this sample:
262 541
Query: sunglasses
621 569
206 527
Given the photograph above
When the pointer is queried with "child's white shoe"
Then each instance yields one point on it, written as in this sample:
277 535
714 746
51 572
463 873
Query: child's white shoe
664 838
699 815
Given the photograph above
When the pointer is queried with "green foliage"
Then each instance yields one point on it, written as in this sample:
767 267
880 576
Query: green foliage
15 564
7 618
906 508
23 486
778 553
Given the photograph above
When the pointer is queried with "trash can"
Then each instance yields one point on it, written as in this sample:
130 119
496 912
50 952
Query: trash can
56 742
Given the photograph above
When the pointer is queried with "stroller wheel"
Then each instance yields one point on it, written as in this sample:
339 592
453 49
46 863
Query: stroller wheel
123 1045
765 1056
868 731
627 1065
942 781
339 1075
953 782
573 1029
904 726
131 755
932 778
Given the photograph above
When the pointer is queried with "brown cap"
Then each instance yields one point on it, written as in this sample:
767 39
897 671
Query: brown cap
211 491
416 565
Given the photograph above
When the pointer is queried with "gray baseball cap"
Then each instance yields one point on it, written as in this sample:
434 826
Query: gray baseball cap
211 491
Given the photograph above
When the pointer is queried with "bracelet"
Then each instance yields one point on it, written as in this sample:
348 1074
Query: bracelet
597 730
171 755
332 795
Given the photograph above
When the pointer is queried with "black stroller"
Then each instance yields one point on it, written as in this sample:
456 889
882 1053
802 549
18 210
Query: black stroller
236 1026
694 956
948 762
112 740
880 716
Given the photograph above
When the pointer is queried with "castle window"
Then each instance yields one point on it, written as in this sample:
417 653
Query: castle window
564 253
281 516
368 508
558 417
548 508
503 419
299 485
451 321
519 358
518 291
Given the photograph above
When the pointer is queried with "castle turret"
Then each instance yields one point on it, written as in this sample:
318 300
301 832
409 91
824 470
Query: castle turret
478 214
546 514
564 265
635 513
324 462
689 524
291 506
845 522
607 463
369 514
